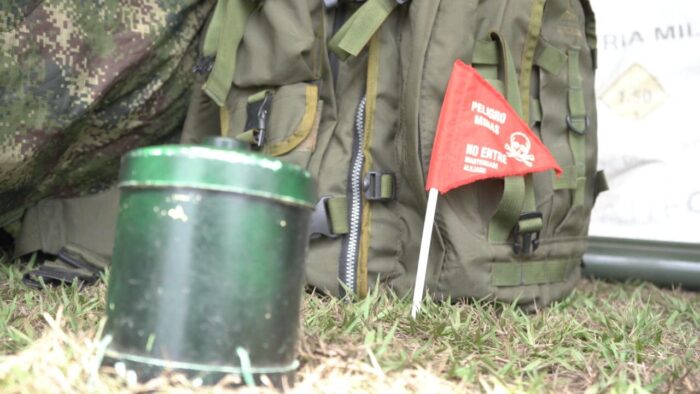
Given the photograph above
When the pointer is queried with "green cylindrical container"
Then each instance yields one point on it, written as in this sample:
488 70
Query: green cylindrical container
663 263
207 270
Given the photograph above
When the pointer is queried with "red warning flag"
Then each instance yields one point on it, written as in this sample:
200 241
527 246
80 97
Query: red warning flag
479 136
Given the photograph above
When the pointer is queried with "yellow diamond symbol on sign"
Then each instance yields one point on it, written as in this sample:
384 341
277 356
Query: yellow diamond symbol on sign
635 94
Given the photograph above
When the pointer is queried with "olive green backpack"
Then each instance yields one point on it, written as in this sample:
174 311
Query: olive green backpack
351 90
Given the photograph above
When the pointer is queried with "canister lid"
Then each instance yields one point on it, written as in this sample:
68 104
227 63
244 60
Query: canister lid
217 168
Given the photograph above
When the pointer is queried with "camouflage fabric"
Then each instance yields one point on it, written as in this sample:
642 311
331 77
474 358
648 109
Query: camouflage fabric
83 82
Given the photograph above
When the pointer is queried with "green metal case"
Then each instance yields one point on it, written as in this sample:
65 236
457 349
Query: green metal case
208 263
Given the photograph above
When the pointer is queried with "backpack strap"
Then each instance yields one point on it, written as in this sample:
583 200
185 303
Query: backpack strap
225 33
356 33
516 214
577 121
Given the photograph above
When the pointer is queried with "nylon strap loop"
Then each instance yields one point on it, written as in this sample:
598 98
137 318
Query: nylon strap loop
551 58
485 52
577 105
531 273
356 33
229 38
387 186
338 215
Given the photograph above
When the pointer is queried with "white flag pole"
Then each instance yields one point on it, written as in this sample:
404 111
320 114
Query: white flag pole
424 250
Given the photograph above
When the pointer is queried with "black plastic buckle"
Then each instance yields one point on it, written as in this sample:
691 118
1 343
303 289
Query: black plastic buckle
526 242
320 222
258 112
586 123
373 186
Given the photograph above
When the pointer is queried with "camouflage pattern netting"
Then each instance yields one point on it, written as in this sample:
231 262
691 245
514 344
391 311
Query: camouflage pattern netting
83 82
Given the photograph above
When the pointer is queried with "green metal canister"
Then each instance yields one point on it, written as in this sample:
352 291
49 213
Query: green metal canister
207 271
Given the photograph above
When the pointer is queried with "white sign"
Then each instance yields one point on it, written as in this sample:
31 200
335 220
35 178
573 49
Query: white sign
648 87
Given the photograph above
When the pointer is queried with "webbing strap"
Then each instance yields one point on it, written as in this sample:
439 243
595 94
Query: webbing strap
485 59
508 209
485 52
531 272
387 188
577 107
526 232
516 192
530 204
355 34
494 51
577 121
533 33
338 215
330 218
224 121
230 30
211 38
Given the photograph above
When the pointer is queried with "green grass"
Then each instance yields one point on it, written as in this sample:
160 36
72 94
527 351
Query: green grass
603 338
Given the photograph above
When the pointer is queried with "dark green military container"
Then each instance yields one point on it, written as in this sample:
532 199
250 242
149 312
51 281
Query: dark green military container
208 263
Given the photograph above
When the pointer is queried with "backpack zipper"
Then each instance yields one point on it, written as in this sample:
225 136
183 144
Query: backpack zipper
351 242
